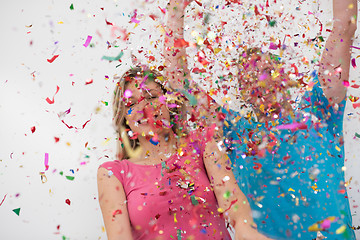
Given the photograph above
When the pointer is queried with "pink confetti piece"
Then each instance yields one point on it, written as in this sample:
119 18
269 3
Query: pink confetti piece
355 47
46 162
273 46
346 83
263 76
127 93
52 101
353 62
87 42
292 126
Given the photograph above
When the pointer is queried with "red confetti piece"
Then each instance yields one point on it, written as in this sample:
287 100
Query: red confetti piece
68 201
3 200
33 129
89 81
257 166
52 59
116 212
153 17
198 70
52 101
57 139
341 191
180 43
355 86
70 127
108 23
356 105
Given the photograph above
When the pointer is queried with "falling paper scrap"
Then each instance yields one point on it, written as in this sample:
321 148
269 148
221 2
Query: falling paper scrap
113 58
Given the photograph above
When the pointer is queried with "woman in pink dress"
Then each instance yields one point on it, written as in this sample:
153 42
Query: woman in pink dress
171 183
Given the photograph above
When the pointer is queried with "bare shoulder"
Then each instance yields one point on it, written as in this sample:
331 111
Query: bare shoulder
112 199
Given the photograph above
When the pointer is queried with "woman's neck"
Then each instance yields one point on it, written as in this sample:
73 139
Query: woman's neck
157 150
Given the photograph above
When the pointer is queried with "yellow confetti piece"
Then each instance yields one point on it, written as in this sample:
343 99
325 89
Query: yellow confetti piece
103 229
68 144
60 22
220 210
351 6
314 228
292 190
337 148
217 50
106 141
341 229
175 220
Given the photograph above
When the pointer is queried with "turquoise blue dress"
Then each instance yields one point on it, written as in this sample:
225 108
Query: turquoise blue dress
295 179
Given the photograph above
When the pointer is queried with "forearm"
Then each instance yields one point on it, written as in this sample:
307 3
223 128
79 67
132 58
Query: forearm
335 62
176 70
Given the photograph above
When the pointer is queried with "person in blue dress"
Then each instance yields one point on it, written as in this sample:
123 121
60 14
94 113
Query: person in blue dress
290 162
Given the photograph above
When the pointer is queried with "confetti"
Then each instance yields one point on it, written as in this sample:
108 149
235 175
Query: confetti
33 129
46 162
72 7
116 212
67 201
52 101
89 81
127 93
353 62
71 178
357 135
3 200
113 58
356 105
52 59
88 40
17 211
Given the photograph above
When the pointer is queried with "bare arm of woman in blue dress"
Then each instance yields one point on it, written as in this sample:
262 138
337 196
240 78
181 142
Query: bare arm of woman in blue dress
337 50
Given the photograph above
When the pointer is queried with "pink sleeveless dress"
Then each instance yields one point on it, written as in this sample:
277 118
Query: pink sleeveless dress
171 200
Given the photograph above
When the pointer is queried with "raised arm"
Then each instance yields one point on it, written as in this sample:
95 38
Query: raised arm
335 61
232 202
112 201
176 69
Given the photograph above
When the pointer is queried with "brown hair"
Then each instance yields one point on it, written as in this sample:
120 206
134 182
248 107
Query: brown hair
119 106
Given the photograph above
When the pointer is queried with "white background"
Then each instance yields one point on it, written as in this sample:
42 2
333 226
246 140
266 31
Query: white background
34 31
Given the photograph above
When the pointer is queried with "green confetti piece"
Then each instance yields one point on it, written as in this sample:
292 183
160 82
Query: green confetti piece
70 178
178 233
17 211
227 194
72 7
61 173
272 23
193 200
191 98
321 38
113 58
357 135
